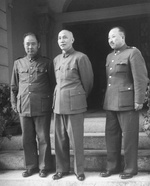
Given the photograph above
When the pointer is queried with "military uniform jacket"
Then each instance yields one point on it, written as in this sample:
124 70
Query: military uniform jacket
74 77
32 86
126 79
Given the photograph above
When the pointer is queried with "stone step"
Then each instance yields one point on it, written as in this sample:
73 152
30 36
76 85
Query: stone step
91 141
95 122
93 125
14 178
95 160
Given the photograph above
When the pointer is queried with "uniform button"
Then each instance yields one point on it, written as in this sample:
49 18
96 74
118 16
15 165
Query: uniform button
110 68
112 61
31 67
29 83
109 85
29 92
129 88
109 76
30 75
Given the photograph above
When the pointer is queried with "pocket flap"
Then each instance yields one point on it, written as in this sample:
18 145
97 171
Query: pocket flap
122 62
76 92
128 88
41 70
45 96
57 67
23 70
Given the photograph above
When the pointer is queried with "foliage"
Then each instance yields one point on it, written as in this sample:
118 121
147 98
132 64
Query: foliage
7 115
146 121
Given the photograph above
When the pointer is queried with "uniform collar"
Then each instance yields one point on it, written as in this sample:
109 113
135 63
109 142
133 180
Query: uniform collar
117 51
33 58
67 53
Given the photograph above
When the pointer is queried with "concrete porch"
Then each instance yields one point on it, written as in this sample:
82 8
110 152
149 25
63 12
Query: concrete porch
12 163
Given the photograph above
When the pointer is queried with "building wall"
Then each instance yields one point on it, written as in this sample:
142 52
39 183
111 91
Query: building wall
20 16
4 64
24 20
16 18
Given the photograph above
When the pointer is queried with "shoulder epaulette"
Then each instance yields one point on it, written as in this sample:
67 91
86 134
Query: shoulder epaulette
18 58
131 47
46 57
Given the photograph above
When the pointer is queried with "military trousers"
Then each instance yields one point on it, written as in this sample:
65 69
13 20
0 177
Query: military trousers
36 141
122 125
69 130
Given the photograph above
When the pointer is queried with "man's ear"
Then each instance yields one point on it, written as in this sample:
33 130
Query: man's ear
39 45
123 36
72 40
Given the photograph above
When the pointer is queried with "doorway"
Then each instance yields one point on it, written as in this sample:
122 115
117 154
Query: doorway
92 39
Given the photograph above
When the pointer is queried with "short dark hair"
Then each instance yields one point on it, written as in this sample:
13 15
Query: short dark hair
121 29
31 34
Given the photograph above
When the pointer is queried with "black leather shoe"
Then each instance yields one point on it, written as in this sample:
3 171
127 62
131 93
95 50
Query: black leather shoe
126 175
59 175
43 173
107 173
29 172
80 177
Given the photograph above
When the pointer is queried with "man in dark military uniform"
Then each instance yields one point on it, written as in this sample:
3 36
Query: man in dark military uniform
126 86
32 86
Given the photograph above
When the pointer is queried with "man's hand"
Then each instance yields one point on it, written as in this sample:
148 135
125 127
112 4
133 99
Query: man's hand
138 106
15 109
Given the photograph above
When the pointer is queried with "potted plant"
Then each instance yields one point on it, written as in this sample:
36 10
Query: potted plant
8 118
146 121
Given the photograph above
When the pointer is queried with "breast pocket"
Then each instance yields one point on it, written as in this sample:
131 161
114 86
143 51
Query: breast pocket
122 66
23 74
71 71
40 71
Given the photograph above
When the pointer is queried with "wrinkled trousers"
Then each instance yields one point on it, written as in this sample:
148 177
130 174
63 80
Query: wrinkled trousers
126 124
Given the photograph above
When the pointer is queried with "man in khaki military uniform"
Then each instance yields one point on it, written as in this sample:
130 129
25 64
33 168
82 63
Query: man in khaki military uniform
126 86
32 86
74 77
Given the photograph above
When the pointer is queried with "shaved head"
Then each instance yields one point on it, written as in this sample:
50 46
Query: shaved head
67 31
65 40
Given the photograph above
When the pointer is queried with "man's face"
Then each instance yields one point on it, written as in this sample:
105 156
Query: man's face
31 45
115 38
65 40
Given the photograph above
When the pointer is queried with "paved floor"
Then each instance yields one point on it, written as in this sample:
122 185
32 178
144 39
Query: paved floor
14 178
